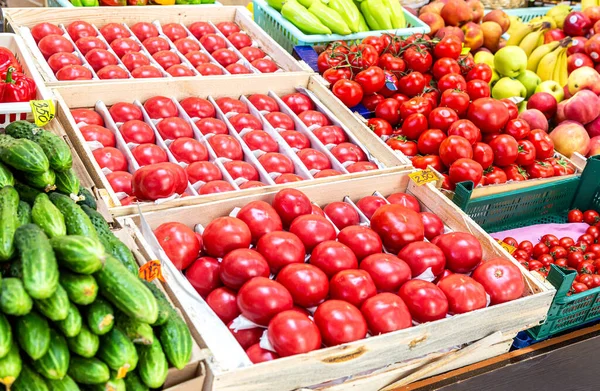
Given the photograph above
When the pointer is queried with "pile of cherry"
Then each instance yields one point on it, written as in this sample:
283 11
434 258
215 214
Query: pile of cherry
315 277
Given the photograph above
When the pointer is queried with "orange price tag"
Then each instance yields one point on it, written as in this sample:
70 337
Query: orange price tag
151 270
507 247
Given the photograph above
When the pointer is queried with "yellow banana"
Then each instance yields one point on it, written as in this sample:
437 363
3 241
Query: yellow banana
563 73
556 70
530 42
545 69
538 53
519 33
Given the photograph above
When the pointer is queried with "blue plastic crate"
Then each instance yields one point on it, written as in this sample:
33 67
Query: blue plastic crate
526 14
288 35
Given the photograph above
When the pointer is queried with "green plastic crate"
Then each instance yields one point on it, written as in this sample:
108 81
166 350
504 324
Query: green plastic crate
543 204
526 14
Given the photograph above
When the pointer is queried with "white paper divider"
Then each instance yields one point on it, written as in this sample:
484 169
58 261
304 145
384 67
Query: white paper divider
77 52
146 52
110 49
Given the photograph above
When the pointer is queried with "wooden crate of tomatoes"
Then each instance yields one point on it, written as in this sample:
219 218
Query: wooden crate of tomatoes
386 291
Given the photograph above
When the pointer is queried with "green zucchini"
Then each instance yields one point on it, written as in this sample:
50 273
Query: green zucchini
6 176
126 291
14 300
10 366
9 204
71 325
88 198
136 331
40 270
23 213
26 193
164 306
77 222
29 380
67 182
88 370
85 343
24 155
113 384
82 289
6 336
54 364
33 334
20 129
79 254
118 352
65 384
48 217
55 148
100 317
134 383
56 307
152 364
176 341
44 181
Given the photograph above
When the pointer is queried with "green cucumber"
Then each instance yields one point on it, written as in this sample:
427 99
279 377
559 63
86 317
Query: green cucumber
54 364
29 380
77 222
79 254
164 306
71 325
65 384
26 193
44 181
23 213
33 334
152 364
10 366
100 317
67 182
126 291
134 383
20 129
40 270
118 352
88 370
136 331
24 155
176 341
9 204
6 337
85 343
14 300
56 307
88 198
48 217
6 176
113 384
82 289
55 148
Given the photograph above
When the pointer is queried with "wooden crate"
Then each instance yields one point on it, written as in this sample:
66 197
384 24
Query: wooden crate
22 19
230 369
69 97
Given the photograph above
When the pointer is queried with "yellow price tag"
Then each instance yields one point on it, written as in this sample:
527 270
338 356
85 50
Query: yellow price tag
151 270
507 247
423 176
43 111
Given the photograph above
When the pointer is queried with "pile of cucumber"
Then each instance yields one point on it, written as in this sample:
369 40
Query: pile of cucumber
73 313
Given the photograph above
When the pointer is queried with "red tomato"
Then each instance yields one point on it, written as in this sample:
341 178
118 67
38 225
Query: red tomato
575 216
212 125
332 75
57 61
223 301
466 129
346 152
397 226
540 170
203 274
421 256
146 154
505 150
415 105
480 71
241 265
173 128
200 29
526 153
330 135
448 46
138 132
517 128
295 139
353 286
340 322
406 200
247 337
414 125
464 293
387 271
287 178
515 173
501 279
245 121
441 118
134 60
225 57
452 81
361 166
488 114
203 171
263 102
160 180
240 40
188 150
332 257
120 181
466 170
179 242
87 44
110 158
478 89
260 299
54 43
98 133
280 249
112 72
252 53
225 234
348 91
389 110
454 148
179 70
313 117
215 187
261 219
226 146
213 42
280 120
198 107
312 230
41 30
99 58
363 241
260 140
156 44
196 57
276 162
166 58
239 169
291 203
313 159
445 66
307 284
143 30
456 100
426 302
430 141
264 65
372 79
228 28
385 313
160 107
291 332
79 29
174 31
342 214
88 116
462 250
591 217
369 204
146 72
122 46
112 31
494 175
255 353
327 173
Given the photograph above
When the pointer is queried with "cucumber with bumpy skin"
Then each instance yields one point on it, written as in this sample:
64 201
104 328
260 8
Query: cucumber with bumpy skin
10 366
24 213
138 332
113 384
82 289
45 181
79 254
56 307
118 352
85 343
33 334
6 176
54 364
71 325
77 222
55 148
164 306
88 370
48 217
26 193
134 383
9 204
20 129
29 380
14 300
88 198
100 317
152 364
67 183
65 384
23 155
176 341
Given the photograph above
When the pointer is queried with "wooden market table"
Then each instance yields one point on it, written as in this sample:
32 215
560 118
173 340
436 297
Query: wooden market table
565 363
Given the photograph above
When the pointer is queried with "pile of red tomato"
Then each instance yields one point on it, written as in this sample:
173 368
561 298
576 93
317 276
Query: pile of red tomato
582 255
116 51
231 153
433 104
359 278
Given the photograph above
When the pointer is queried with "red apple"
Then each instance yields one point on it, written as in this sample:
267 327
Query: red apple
593 128
544 102
451 30
560 112
535 118
578 60
577 45
592 47
477 9
434 21
593 13
576 24
567 92
554 35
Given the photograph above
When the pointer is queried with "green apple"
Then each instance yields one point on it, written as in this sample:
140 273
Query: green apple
484 58
553 88
495 78
530 80
510 61
508 88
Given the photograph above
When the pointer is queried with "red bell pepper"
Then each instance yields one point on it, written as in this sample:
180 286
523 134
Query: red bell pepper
8 59
16 87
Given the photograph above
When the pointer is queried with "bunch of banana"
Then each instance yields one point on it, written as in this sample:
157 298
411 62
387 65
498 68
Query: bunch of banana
529 36
549 61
